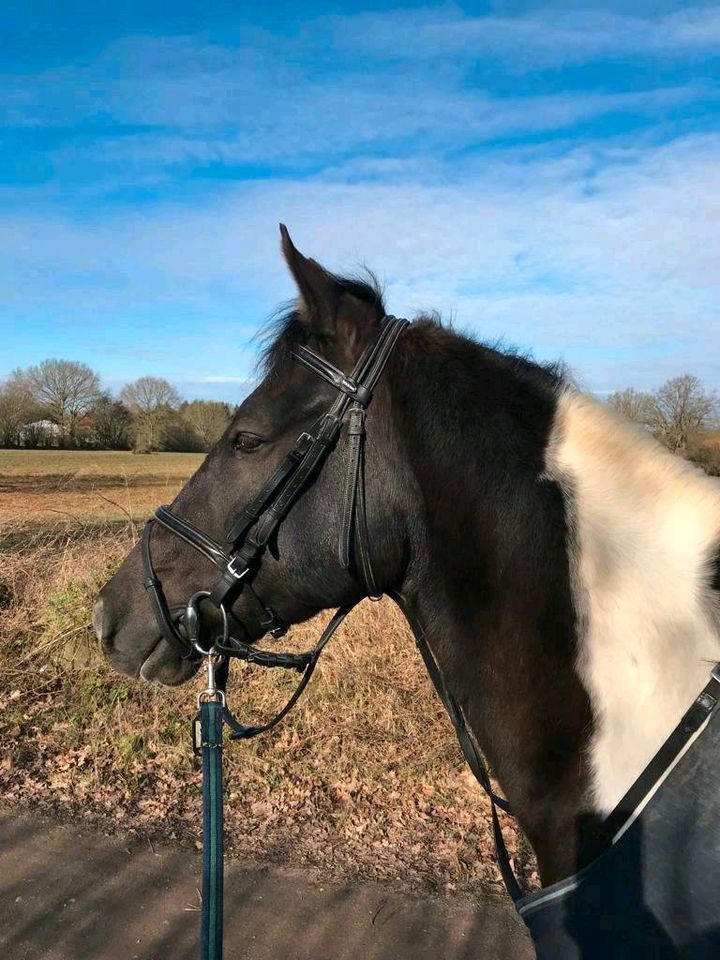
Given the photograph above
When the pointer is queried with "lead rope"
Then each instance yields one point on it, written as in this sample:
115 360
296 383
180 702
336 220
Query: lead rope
208 742
207 735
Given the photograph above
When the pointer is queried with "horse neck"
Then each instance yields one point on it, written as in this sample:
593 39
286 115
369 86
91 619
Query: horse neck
488 577
546 639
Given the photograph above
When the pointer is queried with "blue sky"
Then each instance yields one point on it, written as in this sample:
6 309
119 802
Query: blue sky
543 173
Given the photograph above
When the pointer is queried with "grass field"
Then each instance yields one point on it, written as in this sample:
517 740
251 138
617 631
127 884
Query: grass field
106 465
82 486
364 778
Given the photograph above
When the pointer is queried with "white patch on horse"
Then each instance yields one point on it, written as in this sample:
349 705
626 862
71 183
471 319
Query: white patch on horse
645 525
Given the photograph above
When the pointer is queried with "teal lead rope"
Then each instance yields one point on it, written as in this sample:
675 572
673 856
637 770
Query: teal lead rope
209 732
211 931
208 743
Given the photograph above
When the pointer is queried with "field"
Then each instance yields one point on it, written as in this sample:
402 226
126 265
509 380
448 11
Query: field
364 778
82 486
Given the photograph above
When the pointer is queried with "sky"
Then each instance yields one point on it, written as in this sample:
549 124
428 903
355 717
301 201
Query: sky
543 174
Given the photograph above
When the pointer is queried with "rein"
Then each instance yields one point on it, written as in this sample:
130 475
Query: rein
238 560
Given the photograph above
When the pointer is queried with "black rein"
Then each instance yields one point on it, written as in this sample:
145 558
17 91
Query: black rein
238 560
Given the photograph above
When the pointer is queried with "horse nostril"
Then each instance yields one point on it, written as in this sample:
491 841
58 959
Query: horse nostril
98 619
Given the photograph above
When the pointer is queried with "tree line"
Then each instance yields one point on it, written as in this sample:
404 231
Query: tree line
62 403
682 414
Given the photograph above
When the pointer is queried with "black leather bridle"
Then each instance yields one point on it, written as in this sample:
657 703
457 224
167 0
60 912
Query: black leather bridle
238 561
239 558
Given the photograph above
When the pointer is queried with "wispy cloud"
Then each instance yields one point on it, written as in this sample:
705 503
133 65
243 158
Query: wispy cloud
335 122
546 176
148 107
555 254
536 39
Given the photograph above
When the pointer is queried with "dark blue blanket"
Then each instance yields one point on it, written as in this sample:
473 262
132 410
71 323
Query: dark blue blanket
656 892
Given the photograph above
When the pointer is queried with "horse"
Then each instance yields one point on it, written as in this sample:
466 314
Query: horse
562 567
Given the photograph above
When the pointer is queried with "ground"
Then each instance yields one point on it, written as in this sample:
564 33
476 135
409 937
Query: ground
79 486
70 893
363 782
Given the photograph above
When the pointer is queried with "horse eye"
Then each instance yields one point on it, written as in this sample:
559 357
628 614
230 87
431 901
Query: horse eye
247 442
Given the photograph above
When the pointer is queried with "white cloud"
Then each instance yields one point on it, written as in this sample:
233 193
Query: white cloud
149 105
535 39
330 121
585 256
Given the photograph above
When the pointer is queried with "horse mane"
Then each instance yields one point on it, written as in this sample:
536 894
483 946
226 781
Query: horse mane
286 330
435 336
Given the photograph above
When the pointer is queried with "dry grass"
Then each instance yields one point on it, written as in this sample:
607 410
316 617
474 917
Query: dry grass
81 486
108 464
364 778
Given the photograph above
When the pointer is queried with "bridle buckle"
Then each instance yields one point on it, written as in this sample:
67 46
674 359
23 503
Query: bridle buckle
303 443
234 571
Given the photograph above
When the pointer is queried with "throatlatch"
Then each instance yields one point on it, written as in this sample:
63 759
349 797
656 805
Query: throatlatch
238 560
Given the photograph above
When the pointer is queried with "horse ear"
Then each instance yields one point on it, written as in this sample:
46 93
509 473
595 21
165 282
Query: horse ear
318 290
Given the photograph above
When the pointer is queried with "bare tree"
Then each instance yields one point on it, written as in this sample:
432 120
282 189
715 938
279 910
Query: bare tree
633 404
208 418
681 410
151 401
111 424
17 409
66 390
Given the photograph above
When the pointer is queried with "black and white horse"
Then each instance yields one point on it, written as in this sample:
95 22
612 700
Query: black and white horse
562 565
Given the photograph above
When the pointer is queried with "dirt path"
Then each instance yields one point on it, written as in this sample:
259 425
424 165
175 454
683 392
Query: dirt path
71 893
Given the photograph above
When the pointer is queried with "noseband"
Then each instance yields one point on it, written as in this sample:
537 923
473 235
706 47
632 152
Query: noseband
239 558
238 561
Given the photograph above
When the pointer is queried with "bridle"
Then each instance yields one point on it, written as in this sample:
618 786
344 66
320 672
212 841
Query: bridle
247 537
238 561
